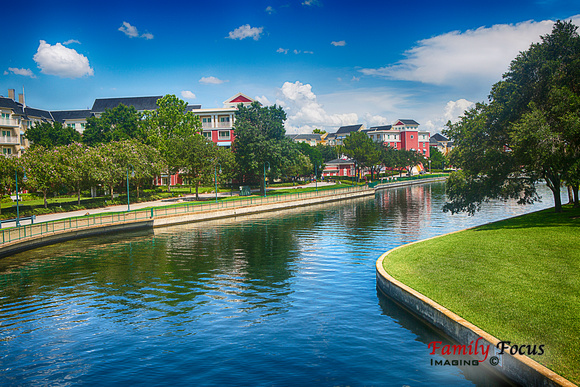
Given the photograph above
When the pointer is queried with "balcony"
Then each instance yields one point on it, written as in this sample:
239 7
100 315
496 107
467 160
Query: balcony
4 140
224 125
207 125
9 122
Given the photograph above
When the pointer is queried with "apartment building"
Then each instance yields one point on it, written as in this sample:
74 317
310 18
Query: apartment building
403 134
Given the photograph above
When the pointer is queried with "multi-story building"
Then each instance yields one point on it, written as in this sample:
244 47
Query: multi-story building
310 139
403 134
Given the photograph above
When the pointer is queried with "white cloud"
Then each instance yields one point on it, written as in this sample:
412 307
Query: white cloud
309 52
270 10
132 32
340 43
310 3
71 41
61 61
246 31
188 94
282 50
263 100
452 111
305 112
474 57
17 71
212 81
129 30
296 51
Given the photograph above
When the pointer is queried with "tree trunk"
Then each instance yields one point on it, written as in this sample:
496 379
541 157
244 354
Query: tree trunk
45 201
112 197
553 181
197 190
576 199
79 195
168 181
138 184
570 195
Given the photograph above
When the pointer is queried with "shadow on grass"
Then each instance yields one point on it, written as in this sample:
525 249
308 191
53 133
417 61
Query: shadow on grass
569 217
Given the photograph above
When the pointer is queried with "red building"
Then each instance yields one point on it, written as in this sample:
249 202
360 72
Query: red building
403 134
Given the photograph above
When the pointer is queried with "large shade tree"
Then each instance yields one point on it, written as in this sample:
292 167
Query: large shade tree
116 124
51 134
528 132
260 142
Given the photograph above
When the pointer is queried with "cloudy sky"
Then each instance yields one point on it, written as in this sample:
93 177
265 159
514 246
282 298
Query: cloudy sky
327 62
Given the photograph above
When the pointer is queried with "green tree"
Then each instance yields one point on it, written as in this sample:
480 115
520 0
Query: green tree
167 129
50 135
528 131
116 124
318 131
328 152
364 151
260 139
315 157
43 170
437 158
200 158
76 163
7 175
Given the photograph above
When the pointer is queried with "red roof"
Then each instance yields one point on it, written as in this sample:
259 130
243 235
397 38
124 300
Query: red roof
241 98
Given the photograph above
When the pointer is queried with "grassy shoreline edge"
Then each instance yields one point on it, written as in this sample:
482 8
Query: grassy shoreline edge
465 272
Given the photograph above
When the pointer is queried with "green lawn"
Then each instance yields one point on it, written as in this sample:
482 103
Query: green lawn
517 279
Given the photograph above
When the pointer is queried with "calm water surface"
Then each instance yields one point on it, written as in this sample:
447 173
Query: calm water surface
286 298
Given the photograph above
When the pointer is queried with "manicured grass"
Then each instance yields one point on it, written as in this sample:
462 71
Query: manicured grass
517 279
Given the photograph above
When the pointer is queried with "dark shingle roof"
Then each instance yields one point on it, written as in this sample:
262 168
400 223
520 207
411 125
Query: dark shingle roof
192 107
409 122
139 103
11 104
437 137
63 115
32 112
349 128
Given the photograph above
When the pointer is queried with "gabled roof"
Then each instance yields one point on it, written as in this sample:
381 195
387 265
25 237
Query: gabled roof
437 137
44 114
350 128
340 161
139 103
237 99
63 115
192 107
9 103
406 122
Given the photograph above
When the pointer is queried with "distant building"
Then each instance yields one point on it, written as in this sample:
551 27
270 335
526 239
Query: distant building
339 167
344 131
403 134
310 139
441 142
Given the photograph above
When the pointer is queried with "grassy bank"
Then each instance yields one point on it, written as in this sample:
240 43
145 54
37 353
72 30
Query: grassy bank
517 279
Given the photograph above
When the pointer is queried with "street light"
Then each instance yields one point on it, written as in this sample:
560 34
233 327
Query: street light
215 178
429 166
132 175
24 180
265 162
316 175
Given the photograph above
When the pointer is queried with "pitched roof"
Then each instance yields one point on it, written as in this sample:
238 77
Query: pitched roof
238 98
192 107
38 113
407 122
350 128
340 161
437 137
139 103
305 136
63 115
9 103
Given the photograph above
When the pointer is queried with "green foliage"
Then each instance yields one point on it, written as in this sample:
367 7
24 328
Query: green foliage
315 158
260 139
328 152
364 151
529 131
167 129
318 131
43 170
437 158
119 123
50 135
200 158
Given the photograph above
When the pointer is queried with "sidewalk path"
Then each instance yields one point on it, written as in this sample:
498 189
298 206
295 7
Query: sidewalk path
139 206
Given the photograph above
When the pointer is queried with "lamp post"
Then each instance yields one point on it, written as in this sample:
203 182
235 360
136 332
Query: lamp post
215 178
24 180
429 166
316 175
265 162
132 175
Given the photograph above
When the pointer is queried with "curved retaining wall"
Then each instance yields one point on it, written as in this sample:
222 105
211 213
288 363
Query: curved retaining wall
161 221
520 369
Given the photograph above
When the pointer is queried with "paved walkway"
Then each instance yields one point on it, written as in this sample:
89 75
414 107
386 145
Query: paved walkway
138 206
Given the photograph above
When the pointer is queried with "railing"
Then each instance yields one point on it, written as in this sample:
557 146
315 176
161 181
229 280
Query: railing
8 140
56 226
9 122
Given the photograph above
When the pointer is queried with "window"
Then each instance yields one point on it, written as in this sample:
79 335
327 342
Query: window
5 116
224 119
206 120
207 135
6 133
224 134
83 125
70 126
411 137
7 151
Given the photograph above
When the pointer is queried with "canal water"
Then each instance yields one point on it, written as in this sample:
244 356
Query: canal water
279 299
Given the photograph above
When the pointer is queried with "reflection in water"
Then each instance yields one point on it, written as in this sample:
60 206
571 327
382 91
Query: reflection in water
280 298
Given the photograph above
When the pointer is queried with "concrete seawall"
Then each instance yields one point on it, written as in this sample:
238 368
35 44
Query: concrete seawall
162 221
518 368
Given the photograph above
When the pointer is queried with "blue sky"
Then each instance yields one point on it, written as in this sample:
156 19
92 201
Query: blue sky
328 63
